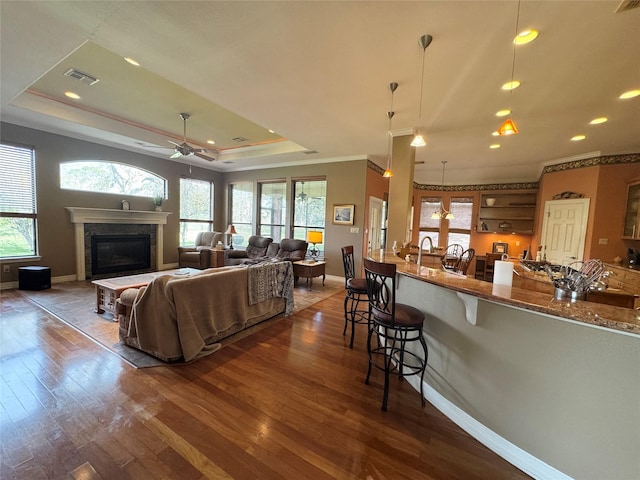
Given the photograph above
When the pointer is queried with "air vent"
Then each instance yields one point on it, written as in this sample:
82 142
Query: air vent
309 152
627 5
81 76
228 162
240 139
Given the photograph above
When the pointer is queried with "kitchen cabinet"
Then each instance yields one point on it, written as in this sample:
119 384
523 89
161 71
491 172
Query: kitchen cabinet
507 213
632 213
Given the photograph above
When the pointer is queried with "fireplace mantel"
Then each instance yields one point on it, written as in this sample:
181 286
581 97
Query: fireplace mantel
82 215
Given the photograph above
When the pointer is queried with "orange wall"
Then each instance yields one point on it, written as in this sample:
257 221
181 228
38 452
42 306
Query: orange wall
606 187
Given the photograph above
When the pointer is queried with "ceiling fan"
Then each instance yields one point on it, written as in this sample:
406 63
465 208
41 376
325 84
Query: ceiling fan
184 149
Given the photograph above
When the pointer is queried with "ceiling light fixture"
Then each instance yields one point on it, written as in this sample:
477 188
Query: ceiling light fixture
388 172
578 138
509 127
441 213
73 95
503 113
211 142
526 36
598 121
132 61
494 146
630 94
418 140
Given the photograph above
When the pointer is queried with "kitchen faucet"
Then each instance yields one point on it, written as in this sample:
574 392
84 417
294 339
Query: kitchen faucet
426 237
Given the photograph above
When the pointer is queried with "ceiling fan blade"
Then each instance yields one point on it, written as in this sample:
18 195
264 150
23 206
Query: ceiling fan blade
173 143
206 150
176 155
204 157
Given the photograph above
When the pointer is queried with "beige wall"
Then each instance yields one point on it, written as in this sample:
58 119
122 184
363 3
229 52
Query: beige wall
55 231
346 184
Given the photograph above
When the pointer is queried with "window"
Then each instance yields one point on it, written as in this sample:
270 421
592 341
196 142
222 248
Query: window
241 212
309 208
460 225
196 209
429 226
273 209
18 214
111 177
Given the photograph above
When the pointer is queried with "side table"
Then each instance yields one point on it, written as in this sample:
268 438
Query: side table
216 258
309 269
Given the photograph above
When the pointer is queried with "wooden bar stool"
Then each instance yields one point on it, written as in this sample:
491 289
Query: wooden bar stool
356 293
396 325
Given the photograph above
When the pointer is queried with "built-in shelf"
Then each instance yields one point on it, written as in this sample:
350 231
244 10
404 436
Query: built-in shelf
507 213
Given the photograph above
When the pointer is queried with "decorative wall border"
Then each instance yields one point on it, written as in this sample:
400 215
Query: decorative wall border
559 167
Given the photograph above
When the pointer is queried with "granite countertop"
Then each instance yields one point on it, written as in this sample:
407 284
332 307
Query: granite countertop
616 318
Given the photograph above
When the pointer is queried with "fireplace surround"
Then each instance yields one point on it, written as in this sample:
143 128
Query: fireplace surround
116 219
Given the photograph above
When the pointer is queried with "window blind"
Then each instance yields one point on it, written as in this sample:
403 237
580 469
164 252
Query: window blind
17 180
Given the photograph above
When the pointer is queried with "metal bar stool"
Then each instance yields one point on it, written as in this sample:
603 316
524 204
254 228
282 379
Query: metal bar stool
356 293
396 325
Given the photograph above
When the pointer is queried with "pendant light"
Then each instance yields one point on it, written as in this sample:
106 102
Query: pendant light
441 213
509 127
418 140
388 172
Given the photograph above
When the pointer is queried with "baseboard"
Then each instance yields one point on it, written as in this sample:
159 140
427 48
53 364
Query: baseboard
511 453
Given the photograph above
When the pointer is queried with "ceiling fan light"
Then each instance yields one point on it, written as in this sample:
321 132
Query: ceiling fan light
418 141
508 128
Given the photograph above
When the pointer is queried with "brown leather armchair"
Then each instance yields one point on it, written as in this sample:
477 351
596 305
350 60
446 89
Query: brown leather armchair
256 249
293 250
199 256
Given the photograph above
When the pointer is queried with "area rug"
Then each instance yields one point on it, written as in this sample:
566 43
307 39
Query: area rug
74 304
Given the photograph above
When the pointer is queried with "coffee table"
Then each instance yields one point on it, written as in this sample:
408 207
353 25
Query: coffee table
108 290
307 269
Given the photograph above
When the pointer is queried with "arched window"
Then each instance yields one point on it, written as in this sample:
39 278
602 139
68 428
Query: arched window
111 177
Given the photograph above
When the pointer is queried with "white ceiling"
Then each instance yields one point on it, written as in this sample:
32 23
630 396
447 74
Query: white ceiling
317 73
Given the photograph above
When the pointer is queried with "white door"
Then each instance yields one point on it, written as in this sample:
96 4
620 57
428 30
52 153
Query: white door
375 224
564 230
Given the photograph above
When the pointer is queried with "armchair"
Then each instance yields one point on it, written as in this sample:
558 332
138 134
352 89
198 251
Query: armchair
256 249
198 256
293 250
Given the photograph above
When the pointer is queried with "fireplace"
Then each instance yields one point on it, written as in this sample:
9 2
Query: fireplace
120 253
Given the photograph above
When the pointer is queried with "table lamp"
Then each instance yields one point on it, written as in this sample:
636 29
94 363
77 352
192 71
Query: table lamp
314 237
231 230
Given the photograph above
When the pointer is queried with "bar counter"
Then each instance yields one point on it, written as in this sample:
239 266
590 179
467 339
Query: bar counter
552 386
625 320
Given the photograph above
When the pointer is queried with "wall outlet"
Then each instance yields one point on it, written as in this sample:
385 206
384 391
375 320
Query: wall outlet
517 243
6 268
355 229
603 241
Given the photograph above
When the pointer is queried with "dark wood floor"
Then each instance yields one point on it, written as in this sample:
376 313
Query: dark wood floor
286 402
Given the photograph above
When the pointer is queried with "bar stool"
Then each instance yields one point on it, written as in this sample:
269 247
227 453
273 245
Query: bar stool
356 293
396 325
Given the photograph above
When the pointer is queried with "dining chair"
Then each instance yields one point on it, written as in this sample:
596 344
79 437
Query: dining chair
395 325
451 256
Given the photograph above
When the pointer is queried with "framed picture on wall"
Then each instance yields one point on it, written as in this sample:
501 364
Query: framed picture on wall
343 214
499 247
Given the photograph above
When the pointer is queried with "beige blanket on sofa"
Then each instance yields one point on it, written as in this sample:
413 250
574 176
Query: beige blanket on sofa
183 317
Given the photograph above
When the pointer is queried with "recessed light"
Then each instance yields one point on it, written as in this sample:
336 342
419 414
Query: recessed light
630 94
598 121
73 95
271 131
495 134
503 113
511 85
526 36
132 61
494 146
578 138
211 142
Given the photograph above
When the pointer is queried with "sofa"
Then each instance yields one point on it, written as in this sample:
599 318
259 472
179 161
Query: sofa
183 317
199 256
261 248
